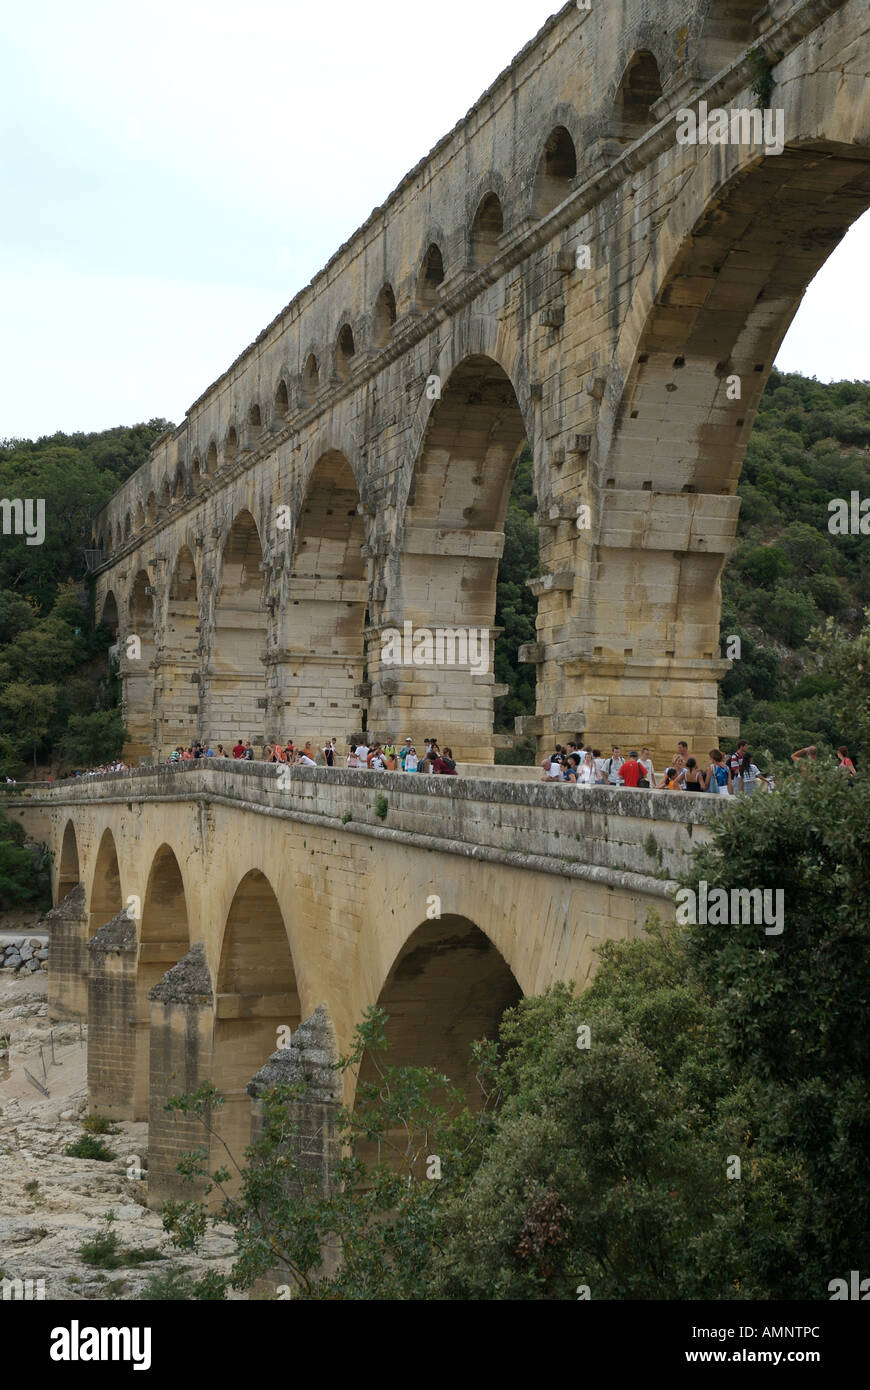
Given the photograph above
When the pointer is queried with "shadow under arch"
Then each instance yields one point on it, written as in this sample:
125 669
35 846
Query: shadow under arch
69 872
180 655
238 673
164 937
105 900
257 995
447 988
327 598
138 669
453 540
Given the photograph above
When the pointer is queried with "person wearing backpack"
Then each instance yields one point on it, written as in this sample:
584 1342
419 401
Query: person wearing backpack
718 776
613 766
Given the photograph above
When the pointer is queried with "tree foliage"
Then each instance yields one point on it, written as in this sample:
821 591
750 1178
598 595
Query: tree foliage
53 666
705 1140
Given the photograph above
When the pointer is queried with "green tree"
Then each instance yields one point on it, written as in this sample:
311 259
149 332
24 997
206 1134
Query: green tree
93 739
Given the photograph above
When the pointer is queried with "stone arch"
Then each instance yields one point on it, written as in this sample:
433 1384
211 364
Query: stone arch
486 229
640 88
327 603
211 459
178 708
164 937
165 495
747 248
138 669
257 994
385 315
231 444
151 508
452 542
345 351
105 899
557 171
255 416
430 277
311 378
282 400
195 472
178 492
109 613
140 517
69 872
238 680
447 988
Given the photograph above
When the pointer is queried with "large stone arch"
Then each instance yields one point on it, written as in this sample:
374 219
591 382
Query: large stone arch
237 671
105 898
178 691
447 988
164 937
691 363
69 873
323 642
137 668
257 995
451 543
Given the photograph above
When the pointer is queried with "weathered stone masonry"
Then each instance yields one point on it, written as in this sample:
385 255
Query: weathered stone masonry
254 903
317 494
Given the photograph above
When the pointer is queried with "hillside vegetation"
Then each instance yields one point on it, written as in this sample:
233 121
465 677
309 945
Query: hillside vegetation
56 701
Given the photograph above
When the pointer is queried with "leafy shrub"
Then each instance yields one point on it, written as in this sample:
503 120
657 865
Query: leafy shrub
89 1147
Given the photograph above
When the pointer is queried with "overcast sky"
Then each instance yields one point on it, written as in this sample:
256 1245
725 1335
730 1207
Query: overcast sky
174 172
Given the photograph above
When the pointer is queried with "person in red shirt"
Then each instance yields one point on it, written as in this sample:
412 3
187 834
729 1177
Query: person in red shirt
239 750
631 770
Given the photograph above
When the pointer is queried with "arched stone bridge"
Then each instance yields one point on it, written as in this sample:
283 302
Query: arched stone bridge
561 270
204 907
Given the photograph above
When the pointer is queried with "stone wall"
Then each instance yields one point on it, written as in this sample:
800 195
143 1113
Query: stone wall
599 289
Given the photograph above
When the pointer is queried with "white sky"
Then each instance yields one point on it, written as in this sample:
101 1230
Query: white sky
174 172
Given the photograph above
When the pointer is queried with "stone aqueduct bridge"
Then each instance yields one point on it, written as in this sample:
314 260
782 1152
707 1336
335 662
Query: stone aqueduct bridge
201 908
319 492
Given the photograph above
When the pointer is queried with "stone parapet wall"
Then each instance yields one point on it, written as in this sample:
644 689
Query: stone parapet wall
609 829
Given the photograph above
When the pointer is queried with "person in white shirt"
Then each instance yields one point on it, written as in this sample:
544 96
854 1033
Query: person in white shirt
613 765
362 753
553 769
304 761
590 774
648 773
411 760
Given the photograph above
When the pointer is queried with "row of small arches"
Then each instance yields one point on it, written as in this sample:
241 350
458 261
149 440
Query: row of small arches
556 173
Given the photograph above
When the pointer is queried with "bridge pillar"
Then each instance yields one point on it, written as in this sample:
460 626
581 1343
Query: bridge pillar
112 1018
182 1022
177 707
433 679
67 926
306 1063
314 697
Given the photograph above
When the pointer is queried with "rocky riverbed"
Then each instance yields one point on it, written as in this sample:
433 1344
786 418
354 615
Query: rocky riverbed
50 1202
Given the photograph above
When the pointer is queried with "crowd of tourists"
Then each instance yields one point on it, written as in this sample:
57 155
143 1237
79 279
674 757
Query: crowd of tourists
722 774
719 773
377 757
